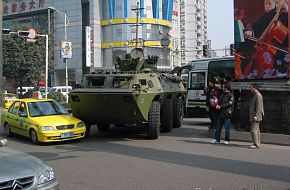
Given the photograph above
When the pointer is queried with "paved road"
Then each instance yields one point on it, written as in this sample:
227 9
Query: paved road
181 160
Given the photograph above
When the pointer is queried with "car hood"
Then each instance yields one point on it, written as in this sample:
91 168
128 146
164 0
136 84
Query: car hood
55 120
15 164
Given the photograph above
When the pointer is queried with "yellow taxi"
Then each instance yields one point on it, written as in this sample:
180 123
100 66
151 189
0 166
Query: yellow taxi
8 99
42 120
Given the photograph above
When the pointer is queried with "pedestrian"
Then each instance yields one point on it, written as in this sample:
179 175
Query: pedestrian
256 116
211 103
225 110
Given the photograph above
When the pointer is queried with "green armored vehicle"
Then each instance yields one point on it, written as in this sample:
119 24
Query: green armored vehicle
134 93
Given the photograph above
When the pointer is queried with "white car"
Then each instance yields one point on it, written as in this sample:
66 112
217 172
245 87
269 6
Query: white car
61 89
24 90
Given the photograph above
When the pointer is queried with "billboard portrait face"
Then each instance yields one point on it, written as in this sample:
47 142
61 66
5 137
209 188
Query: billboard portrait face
261 39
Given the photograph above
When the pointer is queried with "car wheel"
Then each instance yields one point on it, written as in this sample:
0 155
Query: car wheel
33 136
7 130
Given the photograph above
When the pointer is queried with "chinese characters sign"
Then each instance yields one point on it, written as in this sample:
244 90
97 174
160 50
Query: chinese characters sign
15 7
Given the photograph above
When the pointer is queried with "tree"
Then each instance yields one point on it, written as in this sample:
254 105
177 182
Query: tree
24 61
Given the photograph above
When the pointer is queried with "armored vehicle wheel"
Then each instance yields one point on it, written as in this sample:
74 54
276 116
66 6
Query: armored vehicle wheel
153 130
167 116
103 127
177 113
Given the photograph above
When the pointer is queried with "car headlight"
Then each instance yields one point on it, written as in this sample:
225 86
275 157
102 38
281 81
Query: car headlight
80 124
47 176
46 128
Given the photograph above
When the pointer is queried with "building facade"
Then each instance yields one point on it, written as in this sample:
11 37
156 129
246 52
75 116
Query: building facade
193 29
113 30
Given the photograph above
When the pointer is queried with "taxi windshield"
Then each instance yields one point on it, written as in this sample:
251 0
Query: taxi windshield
46 108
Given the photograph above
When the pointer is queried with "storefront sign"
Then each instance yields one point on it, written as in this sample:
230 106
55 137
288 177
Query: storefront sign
22 6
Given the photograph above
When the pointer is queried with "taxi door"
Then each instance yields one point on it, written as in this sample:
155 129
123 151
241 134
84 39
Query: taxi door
22 120
12 117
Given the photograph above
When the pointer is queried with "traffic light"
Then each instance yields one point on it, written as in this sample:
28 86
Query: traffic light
205 50
23 33
6 31
232 49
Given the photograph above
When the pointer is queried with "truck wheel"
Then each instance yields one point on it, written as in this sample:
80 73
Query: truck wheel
33 136
153 130
167 116
7 130
103 127
177 113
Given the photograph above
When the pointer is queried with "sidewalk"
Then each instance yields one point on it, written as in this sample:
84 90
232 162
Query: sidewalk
266 138
235 135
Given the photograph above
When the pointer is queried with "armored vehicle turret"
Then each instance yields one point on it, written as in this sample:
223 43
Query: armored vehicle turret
133 93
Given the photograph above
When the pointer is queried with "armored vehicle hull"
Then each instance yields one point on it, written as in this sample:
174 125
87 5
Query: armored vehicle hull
135 93
130 98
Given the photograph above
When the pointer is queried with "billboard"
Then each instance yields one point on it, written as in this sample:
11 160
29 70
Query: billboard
66 50
261 39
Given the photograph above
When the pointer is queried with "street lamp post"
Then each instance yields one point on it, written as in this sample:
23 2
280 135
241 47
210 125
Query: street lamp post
66 22
46 62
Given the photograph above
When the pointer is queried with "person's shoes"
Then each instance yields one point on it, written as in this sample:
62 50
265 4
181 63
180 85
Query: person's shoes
214 141
253 147
226 142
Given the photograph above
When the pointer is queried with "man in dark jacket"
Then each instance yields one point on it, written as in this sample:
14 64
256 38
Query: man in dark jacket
225 109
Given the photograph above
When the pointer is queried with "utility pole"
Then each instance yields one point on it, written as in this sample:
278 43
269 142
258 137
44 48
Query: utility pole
138 10
1 53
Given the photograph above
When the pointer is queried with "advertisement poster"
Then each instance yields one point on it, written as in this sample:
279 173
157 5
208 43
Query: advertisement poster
261 39
66 50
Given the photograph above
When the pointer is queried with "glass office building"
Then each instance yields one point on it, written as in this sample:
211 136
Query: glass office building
113 24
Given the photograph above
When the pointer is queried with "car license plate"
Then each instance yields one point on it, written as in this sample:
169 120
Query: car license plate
67 135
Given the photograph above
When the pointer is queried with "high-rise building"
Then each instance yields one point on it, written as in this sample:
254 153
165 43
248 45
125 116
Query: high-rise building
113 30
193 29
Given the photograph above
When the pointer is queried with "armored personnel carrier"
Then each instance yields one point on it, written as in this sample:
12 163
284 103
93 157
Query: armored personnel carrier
132 93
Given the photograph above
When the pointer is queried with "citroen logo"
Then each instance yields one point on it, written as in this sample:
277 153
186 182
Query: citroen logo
16 185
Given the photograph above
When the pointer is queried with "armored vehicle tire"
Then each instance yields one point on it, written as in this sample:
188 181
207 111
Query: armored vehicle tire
177 113
103 127
167 116
153 128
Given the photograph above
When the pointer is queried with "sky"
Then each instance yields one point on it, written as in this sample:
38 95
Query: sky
220 23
